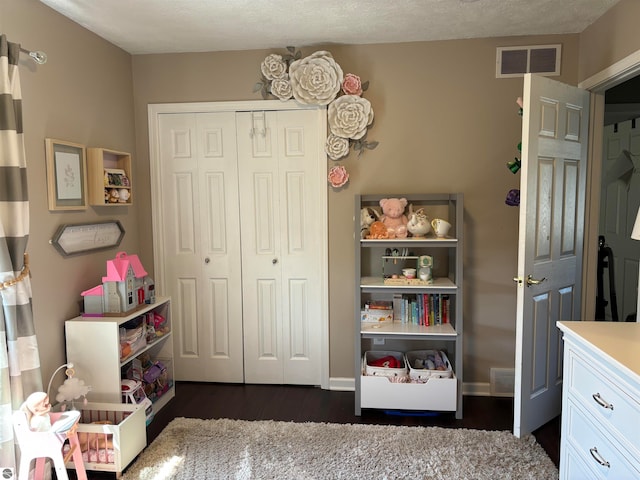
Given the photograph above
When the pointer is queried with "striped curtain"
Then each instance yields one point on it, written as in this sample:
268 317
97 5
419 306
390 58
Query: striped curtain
19 359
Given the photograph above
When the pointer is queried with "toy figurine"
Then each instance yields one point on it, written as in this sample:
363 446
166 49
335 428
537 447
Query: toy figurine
393 216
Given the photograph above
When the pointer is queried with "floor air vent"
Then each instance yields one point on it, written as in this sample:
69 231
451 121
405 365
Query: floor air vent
516 61
502 381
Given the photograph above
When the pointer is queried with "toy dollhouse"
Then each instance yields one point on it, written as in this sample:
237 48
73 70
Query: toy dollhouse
123 288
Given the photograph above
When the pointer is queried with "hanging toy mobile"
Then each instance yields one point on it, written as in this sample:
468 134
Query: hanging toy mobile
72 389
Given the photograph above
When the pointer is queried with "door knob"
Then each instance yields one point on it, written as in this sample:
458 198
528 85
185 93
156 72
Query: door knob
207 260
534 281
274 261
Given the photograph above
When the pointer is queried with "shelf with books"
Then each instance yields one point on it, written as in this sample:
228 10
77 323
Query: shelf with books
426 310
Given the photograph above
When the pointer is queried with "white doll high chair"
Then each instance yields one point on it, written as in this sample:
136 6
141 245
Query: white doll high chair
48 444
42 434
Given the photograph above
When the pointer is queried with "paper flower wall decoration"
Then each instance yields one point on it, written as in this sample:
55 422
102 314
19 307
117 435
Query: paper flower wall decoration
319 80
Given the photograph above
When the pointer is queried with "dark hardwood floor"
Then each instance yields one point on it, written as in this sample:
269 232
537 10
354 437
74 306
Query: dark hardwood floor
309 404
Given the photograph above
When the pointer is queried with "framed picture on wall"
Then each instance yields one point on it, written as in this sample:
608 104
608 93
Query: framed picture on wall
66 175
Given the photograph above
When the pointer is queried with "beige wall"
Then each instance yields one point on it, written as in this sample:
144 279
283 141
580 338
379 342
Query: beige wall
84 95
443 121
610 39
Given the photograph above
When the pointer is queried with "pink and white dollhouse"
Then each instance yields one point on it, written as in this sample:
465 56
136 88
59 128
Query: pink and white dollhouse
122 289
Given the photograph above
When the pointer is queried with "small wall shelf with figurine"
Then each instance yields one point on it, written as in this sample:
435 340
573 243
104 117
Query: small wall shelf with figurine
109 177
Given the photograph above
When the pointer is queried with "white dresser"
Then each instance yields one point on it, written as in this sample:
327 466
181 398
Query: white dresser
600 401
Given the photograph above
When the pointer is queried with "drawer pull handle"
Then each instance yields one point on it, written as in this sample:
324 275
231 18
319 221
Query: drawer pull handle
600 401
598 458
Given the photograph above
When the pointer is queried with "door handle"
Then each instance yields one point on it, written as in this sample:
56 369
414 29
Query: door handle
207 260
534 281
274 261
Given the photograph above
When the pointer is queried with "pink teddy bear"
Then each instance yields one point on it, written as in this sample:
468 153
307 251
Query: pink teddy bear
393 216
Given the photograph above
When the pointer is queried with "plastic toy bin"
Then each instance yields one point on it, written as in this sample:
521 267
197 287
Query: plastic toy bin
111 435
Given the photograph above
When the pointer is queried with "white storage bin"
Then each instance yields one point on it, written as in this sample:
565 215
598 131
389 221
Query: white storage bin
111 447
437 394
420 357
372 356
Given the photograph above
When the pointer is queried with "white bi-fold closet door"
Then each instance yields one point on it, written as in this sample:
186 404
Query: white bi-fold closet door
240 240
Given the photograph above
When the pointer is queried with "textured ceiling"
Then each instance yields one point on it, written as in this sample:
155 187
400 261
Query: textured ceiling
164 26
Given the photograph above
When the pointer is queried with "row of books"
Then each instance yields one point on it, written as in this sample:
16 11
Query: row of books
422 308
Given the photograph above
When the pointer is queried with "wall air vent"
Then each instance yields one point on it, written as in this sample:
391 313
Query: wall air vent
516 61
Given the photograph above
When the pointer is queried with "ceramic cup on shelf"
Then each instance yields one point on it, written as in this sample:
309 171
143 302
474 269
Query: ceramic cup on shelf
409 272
440 227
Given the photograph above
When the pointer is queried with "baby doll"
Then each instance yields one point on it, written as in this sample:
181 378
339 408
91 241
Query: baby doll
37 408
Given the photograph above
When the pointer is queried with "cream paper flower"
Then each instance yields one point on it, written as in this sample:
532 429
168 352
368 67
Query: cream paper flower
349 116
336 147
316 79
281 88
273 66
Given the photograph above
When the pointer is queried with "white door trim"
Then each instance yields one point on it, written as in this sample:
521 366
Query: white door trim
597 84
154 111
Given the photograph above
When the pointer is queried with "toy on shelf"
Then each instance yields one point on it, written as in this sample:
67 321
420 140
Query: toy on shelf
125 288
418 224
367 217
393 217
156 380
132 392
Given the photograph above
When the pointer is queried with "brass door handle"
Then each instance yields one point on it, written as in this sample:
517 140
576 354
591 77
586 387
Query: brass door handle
534 281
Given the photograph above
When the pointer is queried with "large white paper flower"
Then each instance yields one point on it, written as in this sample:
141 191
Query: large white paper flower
316 79
273 66
336 147
281 88
349 116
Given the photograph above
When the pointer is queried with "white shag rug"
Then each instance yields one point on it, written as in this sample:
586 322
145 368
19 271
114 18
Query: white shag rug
193 449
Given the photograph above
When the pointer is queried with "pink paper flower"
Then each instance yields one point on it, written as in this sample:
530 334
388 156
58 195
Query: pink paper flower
352 84
338 176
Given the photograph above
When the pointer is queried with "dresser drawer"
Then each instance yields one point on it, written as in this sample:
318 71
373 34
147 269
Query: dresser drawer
593 444
610 405
572 466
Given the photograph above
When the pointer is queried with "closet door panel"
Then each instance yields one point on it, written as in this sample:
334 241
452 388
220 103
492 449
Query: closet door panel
299 170
291 232
261 233
200 205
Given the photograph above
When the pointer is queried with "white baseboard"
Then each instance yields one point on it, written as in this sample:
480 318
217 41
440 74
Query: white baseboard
475 389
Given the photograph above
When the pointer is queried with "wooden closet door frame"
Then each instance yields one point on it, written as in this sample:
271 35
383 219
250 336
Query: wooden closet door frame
154 112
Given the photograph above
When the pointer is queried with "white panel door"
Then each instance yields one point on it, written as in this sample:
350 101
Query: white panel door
551 230
620 199
199 195
279 169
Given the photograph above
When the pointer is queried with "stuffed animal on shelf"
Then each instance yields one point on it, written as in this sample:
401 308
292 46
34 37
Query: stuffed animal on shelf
393 216
377 231
367 217
114 195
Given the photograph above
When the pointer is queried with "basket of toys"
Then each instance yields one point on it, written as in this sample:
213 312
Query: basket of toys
384 363
425 364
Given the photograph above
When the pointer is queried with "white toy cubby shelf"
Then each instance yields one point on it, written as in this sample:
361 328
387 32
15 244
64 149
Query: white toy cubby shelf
376 260
93 345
